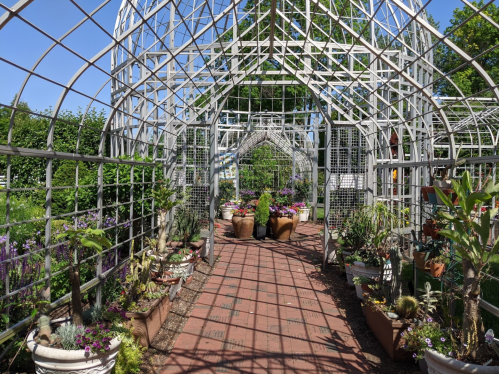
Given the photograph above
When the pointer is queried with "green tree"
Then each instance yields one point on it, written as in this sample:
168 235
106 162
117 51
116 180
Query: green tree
474 36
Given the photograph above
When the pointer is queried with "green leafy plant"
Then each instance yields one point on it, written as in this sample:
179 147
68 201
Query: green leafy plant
349 260
187 227
356 231
262 211
407 307
164 201
130 354
226 191
471 241
68 335
361 280
79 239
428 335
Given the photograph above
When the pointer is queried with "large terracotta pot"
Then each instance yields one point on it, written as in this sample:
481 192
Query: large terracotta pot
54 360
437 270
296 219
146 325
243 226
387 331
282 227
438 363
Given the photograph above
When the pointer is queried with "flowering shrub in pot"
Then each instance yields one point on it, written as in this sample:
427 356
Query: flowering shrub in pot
282 220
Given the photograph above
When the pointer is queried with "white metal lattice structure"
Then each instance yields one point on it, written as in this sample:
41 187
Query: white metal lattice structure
163 69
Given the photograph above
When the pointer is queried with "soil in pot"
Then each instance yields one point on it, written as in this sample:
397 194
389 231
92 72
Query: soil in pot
243 226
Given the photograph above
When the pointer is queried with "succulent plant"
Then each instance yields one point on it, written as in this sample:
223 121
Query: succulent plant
407 307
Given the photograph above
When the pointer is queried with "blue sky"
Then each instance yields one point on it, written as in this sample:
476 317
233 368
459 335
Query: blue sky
23 45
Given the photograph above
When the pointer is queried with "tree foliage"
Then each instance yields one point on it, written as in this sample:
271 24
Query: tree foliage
474 36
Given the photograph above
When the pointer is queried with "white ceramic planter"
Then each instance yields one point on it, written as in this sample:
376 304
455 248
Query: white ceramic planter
348 270
440 364
59 361
227 212
303 216
359 269
359 292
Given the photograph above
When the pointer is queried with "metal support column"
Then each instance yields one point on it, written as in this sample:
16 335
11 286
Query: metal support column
327 185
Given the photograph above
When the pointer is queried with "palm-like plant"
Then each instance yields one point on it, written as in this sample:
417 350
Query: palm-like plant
163 200
471 243
87 238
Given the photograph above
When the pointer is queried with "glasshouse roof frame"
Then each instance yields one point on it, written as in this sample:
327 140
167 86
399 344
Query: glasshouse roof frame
349 86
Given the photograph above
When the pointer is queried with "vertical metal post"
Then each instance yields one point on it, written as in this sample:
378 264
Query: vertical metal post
315 170
100 193
213 177
327 185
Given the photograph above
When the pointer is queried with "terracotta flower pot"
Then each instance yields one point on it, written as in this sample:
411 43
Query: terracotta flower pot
281 227
243 226
146 325
437 270
365 288
296 219
419 259
424 191
434 233
388 332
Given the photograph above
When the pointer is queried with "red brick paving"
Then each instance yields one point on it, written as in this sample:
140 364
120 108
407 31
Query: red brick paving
265 309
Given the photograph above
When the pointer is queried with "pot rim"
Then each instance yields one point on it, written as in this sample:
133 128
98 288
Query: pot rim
67 355
445 362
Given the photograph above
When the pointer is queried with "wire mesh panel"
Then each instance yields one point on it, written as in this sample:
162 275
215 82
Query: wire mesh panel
192 170
348 169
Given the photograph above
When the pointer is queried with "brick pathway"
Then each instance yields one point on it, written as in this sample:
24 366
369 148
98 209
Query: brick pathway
266 310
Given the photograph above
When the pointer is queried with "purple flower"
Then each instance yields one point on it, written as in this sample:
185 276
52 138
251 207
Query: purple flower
106 347
429 320
450 353
442 339
430 345
87 330
414 355
402 334
78 341
409 329
87 349
427 340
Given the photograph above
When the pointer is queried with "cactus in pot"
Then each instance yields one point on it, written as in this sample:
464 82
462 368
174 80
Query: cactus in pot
164 201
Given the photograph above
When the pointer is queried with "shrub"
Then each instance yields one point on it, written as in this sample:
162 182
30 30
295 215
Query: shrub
130 355
262 211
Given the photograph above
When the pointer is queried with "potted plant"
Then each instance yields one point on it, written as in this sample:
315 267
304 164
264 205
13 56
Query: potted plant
470 240
226 194
187 229
389 327
362 286
302 188
164 202
96 347
282 219
437 263
227 208
146 303
349 261
426 252
243 221
262 213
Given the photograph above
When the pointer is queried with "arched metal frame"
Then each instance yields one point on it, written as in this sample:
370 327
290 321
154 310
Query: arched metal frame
179 65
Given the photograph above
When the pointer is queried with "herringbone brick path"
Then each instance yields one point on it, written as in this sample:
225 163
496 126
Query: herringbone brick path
267 310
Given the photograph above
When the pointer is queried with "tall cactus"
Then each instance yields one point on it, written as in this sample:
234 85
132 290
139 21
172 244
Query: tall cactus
396 285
